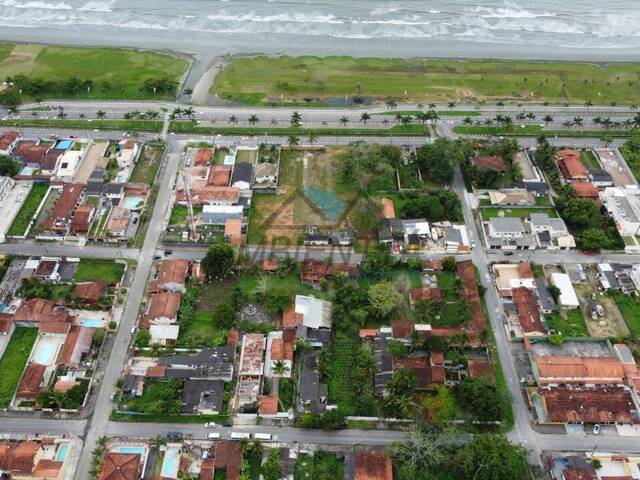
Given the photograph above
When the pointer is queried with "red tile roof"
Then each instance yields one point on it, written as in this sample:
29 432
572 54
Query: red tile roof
77 343
268 404
82 219
585 190
54 327
313 270
209 194
579 370
424 293
227 455
90 292
495 161
579 474
368 332
40 310
291 319
388 210
60 216
120 466
219 176
163 304
156 372
29 152
401 328
232 337
373 466
467 274
47 469
341 269
277 349
571 166
203 157
206 469
598 405
479 368
5 325
173 271
18 458
528 312
524 270
269 265
7 139
62 386
435 265
421 366
32 377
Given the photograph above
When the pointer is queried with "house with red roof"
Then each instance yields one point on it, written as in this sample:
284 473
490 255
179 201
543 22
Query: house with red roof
61 216
571 167
484 163
120 466
8 140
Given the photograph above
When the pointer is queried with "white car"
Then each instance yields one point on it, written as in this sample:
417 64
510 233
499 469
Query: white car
596 429
210 424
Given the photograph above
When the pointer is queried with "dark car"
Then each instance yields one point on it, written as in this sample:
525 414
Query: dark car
174 435
168 252
508 253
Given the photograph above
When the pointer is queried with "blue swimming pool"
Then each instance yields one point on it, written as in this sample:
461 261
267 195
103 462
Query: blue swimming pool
61 454
44 355
133 203
64 144
27 171
169 466
229 160
92 322
133 450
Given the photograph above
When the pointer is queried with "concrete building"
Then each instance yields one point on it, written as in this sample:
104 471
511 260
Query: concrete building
623 205
568 298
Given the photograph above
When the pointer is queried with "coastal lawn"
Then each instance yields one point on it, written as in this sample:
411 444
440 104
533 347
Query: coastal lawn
259 80
125 69
13 361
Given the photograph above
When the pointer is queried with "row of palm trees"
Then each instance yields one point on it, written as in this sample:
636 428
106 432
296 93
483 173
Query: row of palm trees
506 121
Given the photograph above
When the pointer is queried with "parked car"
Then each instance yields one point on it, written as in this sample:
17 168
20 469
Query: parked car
210 424
596 429
168 252
174 435
508 253
213 436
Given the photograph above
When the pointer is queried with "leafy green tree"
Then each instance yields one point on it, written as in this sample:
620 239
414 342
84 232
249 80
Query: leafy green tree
490 457
272 469
439 406
437 160
8 168
219 261
480 398
224 315
384 298
143 337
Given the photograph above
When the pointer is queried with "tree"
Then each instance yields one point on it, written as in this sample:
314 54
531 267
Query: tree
439 406
143 337
438 159
279 368
272 469
422 452
253 119
296 119
547 119
384 298
481 398
490 457
449 264
293 140
312 137
8 168
344 120
233 120
219 261
224 316
365 117
593 239
556 340
554 292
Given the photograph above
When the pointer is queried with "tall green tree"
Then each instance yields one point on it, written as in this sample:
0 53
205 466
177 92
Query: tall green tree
219 261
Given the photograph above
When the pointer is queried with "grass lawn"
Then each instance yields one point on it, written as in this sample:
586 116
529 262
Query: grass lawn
94 269
130 125
630 309
264 79
148 163
125 70
516 130
319 466
289 285
28 209
302 133
543 201
448 282
14 360
518 212
569 322
179 215
589 159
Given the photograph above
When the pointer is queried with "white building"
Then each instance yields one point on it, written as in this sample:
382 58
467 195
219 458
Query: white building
315 313
506 227
623 205
6 185
69 162
164 334
219 214
568 298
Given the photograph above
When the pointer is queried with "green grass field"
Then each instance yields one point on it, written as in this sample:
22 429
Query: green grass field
148 163
570 323
319 466
127 125
516 130
589 160
630 309
13 361
28 209
94 269
125 70
264 79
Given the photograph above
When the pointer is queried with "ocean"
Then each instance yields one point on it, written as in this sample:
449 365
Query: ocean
579 29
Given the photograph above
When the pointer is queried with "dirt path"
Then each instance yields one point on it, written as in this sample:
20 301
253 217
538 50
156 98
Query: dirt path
201 95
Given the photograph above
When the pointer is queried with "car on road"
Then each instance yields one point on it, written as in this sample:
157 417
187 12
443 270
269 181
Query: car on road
596 429
213 436
210 424
174 435
168 252
262 436
133 330
157 257
240 435
508 253
112 396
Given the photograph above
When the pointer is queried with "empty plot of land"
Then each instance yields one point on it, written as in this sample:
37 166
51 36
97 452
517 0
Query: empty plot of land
612 161
21 59
611 324
94 154
528 173
11 205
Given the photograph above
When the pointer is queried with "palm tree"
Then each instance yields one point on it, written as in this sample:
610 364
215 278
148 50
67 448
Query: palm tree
135 114
422 116
547 119
151 114
405 119
419 106
312 138
531 116
385 121
578 121
636 120
82 115
432 106
127 115
628 123
274 121
61 114
521 116
296 119
467 121
500 103
567 124
451 105
189 112
488 122
588 103
391 103
597 120
101 114
293 140
34 114
233 120
279 368
344 120
253 119
633 106
365 117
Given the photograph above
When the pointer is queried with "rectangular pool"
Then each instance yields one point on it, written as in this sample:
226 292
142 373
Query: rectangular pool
61 454
170 464
64 144
133 203
92 322
132 450
44 355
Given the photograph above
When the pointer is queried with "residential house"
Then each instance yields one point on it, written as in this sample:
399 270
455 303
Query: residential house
388 209
61 215
506 228
203 397
172 275
209 195
509 276
213 363
529 316
585 190
552 233
279 356
29 153
227 456
76 346
511 196
568 298
219 214
219 176
82 219
574 370
118 223
8 140
68 164
600 178
51 161
242 177
571 166
113 192
623 205
251 368
32 382
203 157
91 292
539 189
484 163
266 174
121 466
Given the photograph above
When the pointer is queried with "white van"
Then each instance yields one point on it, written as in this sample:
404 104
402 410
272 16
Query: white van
213 436
240 435
262 436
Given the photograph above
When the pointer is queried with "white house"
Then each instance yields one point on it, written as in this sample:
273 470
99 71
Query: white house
568 298
506 227
164 334
623 205
315 313
6 185
542 222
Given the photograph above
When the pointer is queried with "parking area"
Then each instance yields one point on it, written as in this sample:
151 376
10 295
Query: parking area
11 206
